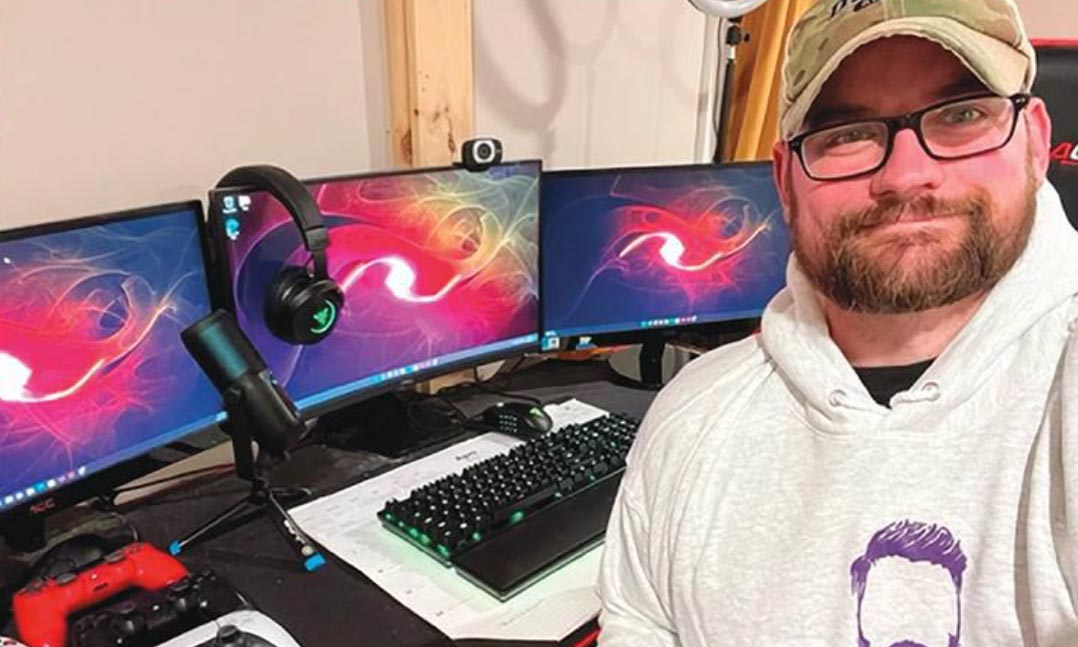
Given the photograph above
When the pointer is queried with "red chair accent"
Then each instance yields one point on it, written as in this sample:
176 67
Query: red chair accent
1057 84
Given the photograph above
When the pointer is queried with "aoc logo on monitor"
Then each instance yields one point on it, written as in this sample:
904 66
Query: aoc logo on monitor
43 506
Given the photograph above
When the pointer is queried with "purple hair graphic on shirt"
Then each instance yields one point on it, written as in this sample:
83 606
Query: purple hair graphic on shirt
908 585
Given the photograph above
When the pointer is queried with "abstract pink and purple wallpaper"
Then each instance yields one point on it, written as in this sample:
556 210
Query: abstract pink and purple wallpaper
436 266
628 249
92 371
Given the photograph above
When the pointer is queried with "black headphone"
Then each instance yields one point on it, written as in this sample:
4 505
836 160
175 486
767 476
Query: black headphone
302 306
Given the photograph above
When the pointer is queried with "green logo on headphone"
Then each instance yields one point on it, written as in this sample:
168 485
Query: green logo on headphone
324 318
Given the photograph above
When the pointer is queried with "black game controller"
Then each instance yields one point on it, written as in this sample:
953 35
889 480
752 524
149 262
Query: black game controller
148 618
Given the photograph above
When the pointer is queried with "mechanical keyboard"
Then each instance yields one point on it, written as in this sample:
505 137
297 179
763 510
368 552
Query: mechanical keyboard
506 522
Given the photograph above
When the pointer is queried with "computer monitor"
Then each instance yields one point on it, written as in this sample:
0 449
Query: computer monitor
439 269
92 371
640 254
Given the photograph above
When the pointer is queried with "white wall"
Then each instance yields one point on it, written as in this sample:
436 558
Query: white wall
1050 18
117 103
614 82
589 82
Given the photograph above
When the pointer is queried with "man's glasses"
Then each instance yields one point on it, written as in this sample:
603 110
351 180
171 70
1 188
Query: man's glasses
951 130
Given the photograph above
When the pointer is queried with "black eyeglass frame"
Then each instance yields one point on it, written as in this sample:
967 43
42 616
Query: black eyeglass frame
911 120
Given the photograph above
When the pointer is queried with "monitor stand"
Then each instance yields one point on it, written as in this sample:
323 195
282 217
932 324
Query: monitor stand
33 535
660 355
393 424
647 366
25 535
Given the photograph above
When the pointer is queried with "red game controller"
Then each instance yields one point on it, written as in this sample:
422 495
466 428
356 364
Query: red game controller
41 609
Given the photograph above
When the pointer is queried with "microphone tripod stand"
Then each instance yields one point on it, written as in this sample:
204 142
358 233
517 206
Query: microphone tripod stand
263 498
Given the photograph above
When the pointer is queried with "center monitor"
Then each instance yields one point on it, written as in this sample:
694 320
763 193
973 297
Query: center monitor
439 269
635 252
92 371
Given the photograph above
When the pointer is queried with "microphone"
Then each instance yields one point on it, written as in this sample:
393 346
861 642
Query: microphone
241 376
258 409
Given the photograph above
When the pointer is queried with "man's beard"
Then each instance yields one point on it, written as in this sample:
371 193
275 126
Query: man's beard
848 268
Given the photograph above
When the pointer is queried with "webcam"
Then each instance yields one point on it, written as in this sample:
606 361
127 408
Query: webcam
481 153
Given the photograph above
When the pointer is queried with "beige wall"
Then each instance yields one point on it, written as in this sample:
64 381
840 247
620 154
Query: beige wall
589 82
117 103
614 82
1050 18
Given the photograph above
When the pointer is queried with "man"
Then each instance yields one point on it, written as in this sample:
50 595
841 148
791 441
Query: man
888 462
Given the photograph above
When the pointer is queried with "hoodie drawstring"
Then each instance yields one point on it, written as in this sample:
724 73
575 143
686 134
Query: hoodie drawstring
927 392
837 398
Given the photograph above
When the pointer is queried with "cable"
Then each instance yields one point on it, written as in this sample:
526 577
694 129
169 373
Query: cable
175 477
428 420
456 389
313 435
509 373
482 386
460 412
506 373
130 527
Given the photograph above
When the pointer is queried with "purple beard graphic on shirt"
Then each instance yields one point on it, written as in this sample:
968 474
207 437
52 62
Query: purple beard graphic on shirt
902 555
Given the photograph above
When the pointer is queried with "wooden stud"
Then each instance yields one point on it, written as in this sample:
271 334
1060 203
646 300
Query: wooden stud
431 91
431 84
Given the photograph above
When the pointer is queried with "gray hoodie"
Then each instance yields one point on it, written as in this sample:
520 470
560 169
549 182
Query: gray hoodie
770 501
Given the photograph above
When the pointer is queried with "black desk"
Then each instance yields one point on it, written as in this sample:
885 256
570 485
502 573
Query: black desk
337 605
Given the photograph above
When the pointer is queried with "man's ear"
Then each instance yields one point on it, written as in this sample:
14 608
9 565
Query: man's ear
1039 130
781 157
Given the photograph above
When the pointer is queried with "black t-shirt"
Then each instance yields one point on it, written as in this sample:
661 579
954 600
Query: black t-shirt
883 382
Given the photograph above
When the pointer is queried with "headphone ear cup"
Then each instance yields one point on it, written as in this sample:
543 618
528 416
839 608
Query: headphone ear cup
316 309
278 307
300 309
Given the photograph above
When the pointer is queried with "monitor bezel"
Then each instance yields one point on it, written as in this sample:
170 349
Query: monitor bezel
714 328
227 301
104 481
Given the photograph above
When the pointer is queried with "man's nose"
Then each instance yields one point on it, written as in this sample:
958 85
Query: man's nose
909 172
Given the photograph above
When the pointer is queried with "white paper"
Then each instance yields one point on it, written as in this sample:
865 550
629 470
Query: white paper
345 523
573 412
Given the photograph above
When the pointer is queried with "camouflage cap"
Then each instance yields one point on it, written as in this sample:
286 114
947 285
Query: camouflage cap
986 35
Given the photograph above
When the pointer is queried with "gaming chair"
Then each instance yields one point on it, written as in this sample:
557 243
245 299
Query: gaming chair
1057 84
